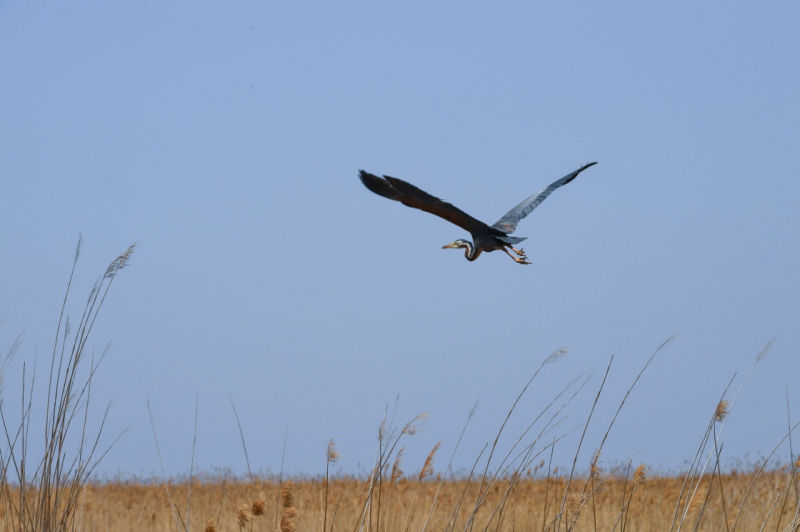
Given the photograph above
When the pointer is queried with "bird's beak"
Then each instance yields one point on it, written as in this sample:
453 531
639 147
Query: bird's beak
449 246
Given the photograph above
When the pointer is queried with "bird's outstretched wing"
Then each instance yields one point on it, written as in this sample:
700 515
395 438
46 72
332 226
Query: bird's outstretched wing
508 223
406 193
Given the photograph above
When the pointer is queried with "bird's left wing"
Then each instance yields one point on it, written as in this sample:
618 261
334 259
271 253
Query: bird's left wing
406 193
508 223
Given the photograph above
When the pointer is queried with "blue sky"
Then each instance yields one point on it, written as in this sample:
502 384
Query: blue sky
226 138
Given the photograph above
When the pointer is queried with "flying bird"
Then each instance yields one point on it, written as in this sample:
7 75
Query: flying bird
484 237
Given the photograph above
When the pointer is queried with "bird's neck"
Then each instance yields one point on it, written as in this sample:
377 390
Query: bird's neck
469 251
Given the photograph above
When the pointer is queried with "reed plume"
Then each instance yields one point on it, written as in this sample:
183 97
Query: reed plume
397 472
427 468
243 515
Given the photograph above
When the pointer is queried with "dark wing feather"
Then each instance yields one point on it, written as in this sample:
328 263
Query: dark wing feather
379 186
508 223
406 193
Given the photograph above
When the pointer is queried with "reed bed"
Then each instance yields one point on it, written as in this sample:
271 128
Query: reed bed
513 484
623 503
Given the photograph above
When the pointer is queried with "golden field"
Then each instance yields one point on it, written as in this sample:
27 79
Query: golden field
513 484
635 503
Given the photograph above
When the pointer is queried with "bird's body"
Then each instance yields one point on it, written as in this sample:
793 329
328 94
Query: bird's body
484 237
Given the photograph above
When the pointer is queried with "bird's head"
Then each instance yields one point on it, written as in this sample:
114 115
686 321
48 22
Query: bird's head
470 251
460 243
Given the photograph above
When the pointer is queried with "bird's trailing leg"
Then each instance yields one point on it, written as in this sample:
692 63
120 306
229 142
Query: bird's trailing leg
520 251
520 260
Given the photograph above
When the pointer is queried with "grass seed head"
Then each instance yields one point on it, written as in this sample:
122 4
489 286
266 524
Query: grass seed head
555 355
259 506
410 428
211 525
287 498
243 515
289 511
287 525
640 475
722 410
573 509
595 473
332 455
119 263
396 471
427 468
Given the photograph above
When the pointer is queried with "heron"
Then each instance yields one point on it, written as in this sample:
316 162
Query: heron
484 237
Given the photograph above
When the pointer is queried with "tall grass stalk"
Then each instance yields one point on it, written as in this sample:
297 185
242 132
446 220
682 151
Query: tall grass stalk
175 510
388 438
522 461
280 476
486 479
331 456
623 504
689 486
792 464
759 471
596 457
559 353
580 444
449 469
191 468
241 436
718 468
451 522
48 493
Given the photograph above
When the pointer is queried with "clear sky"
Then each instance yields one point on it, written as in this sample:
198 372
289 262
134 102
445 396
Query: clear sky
225 138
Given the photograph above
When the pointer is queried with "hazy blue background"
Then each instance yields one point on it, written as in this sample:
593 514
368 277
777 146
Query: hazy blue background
225 138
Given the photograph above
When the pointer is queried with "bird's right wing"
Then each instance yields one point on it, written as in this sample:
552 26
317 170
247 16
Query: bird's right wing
508 223
406 193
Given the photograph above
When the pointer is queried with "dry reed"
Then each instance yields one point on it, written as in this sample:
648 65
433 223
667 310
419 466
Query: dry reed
648 501
43 492
500 492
